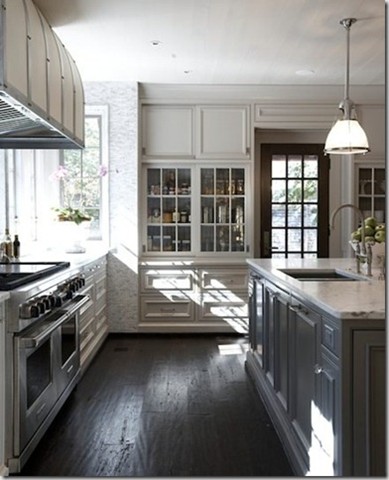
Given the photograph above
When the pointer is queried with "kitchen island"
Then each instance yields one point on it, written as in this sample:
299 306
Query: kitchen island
317 359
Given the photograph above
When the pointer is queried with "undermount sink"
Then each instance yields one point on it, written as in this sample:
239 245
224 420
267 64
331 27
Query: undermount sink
320 275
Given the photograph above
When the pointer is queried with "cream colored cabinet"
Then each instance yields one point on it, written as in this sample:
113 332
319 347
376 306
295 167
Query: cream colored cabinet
93 315
197 210
223 132
198 298
168 131
223 294
219 132
371 189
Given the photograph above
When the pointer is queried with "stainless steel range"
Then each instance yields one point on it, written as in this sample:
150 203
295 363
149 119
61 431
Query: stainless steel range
42 339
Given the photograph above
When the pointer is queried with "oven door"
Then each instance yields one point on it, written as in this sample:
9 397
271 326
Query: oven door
47 359
35 388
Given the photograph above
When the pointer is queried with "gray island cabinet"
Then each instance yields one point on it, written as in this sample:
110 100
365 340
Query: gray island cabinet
317 359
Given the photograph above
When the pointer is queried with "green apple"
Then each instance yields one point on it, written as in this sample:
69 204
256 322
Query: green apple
371 222
356 236
380 226
369 231
380 236
370 239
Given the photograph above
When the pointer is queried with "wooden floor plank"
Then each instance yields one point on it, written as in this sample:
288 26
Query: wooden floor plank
163 405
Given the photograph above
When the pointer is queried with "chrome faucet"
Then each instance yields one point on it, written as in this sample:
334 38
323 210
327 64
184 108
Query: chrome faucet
362 252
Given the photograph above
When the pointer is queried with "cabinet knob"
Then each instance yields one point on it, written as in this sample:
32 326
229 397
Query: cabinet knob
317 369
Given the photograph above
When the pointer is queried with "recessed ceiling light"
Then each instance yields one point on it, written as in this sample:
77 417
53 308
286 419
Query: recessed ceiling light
305 72
187 71
154 43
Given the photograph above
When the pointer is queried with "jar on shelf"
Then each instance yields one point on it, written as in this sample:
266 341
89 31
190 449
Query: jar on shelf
184 216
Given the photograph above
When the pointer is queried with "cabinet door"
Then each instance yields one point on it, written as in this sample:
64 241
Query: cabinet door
223 201
276 331
304 356
223 132
167 131
15 44
370 190
256 316
369 403
37 60
325 447
169 208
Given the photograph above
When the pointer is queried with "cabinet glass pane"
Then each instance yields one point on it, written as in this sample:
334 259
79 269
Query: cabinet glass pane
371 192
222 210
169 206
207 238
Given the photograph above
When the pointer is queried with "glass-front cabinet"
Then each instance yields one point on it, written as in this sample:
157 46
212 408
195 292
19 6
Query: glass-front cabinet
196 210
169 207
222 200
370 190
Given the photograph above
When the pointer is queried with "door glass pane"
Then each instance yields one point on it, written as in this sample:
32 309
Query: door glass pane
207 210
278 166
237 210
310 166
278 239
237 181
294 215
278 215
294 240
310 215
183 241
278 190
222 210
222 181
153 239
310 240
310 190
294 191
294 166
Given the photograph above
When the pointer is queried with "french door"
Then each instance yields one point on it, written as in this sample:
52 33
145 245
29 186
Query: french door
294 201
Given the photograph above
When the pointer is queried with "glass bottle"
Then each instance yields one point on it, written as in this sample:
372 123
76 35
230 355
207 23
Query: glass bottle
7 244
16 247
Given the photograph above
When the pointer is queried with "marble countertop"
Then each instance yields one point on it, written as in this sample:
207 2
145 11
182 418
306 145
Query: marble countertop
363 299
4 296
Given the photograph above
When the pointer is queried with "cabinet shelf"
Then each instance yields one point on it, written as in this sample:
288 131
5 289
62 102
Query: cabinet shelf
217 217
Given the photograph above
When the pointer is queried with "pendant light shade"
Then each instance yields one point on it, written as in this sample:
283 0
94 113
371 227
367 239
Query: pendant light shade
347 137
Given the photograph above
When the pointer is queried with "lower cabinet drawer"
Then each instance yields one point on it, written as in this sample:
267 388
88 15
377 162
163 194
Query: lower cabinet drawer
157 308
214 305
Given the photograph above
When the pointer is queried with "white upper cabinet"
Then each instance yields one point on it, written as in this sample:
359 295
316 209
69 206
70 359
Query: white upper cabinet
223 132
205 132
36 61
167 131
15 29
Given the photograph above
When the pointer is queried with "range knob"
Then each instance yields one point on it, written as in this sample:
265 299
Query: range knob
41 306
45 300
57 300
34 312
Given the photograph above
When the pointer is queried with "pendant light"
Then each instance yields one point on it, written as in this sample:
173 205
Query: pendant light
347 137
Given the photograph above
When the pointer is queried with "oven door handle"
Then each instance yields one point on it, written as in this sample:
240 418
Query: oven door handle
36 340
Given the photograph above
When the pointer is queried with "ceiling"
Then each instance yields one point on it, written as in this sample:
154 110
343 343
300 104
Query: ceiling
257 42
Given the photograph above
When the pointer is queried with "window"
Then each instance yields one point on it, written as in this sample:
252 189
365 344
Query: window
30 194
82 186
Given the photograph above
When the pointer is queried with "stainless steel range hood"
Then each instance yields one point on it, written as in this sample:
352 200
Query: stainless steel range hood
41 92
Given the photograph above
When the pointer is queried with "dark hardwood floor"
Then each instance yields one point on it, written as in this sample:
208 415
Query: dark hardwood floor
163 405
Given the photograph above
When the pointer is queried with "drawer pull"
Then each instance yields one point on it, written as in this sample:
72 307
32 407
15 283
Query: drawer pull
167 310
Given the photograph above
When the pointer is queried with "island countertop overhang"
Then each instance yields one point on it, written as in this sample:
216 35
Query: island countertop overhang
363 299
